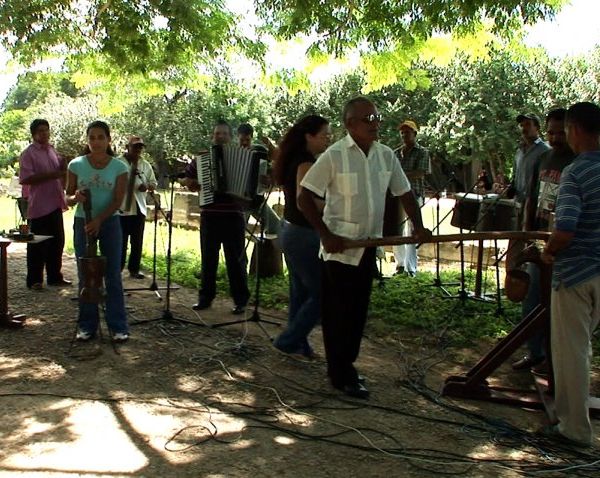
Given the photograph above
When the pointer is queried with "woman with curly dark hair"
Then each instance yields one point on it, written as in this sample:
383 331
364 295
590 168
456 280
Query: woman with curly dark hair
298 150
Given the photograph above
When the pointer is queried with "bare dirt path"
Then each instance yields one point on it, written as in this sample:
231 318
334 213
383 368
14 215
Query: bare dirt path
187 401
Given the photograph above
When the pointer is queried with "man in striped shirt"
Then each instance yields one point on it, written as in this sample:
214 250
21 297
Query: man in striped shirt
574 249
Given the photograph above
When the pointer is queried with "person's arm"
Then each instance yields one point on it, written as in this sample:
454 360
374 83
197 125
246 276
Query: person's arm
413 211
421 168
73 196
146 176
151 182
300 173
190 180
307 203
568 209
558 241
28 177
415 174
93 227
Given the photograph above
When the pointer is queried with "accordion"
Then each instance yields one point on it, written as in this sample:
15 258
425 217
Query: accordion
230 170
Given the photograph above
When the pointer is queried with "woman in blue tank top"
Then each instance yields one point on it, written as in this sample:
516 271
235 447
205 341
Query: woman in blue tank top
105 177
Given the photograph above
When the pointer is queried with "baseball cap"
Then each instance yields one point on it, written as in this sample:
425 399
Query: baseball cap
133 140
409 124
530 116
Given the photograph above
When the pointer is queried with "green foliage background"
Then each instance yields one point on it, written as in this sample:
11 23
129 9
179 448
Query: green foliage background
466 108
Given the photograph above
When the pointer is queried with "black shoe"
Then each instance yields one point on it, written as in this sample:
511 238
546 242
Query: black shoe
362 379
527 362
202 304
137 275
357 390
238 310
61 283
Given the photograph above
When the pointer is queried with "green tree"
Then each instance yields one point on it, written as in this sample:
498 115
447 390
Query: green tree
148 36
37 86
338 25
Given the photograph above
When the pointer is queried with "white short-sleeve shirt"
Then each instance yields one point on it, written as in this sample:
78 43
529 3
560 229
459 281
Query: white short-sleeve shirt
354 187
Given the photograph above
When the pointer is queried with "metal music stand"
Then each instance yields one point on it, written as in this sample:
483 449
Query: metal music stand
167 315
256 316
462 293
154 286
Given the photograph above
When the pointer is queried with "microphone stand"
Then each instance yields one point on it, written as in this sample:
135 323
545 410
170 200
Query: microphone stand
167 315
462 293
437 281
477 295
153 286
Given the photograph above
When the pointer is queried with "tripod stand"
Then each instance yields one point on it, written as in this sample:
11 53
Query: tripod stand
255 317
153 286
437 281
167 315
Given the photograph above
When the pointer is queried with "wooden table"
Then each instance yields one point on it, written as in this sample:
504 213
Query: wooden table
9 319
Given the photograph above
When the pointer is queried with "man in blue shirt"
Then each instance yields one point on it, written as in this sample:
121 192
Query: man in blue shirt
574 250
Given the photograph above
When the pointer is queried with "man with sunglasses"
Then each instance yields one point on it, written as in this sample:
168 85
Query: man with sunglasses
353 176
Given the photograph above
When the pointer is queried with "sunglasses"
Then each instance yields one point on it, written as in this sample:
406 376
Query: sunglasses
371 119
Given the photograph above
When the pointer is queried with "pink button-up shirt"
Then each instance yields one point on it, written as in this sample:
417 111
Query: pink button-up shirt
48 196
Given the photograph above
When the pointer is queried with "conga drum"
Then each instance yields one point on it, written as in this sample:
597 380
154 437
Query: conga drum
466 210
497 214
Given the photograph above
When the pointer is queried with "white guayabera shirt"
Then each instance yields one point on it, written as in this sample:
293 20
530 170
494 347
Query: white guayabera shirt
354 187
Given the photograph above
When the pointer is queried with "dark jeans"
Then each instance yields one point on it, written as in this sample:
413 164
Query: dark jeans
133 227
47 253
345 297
532 299
227 229
301 249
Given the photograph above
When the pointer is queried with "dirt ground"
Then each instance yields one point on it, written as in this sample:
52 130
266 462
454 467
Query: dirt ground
185 400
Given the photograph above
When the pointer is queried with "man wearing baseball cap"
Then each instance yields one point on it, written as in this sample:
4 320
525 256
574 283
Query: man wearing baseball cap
414 160
133 209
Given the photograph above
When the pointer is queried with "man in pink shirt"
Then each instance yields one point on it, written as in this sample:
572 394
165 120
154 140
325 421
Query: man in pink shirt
42 171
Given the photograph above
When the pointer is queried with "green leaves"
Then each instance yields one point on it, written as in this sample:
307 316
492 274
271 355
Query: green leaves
377 25
134 37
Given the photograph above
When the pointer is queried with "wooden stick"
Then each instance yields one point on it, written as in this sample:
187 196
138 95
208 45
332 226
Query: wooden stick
473 236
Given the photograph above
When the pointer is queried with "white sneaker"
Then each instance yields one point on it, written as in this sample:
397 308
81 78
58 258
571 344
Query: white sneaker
121 337
83 336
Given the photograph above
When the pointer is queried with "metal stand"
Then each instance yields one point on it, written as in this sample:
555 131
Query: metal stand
153 286
167 315
255 317
437 282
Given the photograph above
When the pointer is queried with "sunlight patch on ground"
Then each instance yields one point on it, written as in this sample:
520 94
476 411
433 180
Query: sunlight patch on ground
243 374
96 443
30 369
283 440
189 383
178 434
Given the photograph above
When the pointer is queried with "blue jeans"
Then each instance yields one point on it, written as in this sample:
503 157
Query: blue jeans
110 240
532 299
300 247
